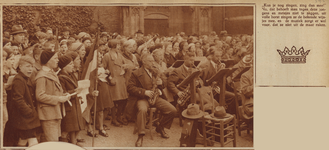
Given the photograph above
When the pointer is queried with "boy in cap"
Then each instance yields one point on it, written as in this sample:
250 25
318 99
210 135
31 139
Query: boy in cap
50 96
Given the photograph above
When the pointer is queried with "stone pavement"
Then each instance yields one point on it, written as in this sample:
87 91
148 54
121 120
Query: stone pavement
124 137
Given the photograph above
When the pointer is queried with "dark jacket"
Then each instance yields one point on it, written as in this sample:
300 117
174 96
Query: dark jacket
180 56
25 116
73 118
176 77
169 59
207 72
138 83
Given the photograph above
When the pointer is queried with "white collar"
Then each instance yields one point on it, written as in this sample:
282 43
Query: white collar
213 63
148 72
45 68
187 68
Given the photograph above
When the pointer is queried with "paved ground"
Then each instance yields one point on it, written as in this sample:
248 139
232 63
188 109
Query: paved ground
124 137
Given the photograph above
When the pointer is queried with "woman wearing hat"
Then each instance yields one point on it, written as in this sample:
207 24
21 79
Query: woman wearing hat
75 75
50 96
80 49
175 48
25 116
87 41
115 63
104 99
183 48
72 122
169 57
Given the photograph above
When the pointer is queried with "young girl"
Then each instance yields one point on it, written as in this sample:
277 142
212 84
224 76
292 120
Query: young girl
104 101
72 121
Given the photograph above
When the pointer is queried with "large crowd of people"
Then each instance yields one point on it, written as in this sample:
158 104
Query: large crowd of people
41 74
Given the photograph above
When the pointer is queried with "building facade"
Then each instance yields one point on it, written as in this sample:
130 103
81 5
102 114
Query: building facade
169 20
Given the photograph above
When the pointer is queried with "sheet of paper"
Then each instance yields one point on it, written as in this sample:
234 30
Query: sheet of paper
85 84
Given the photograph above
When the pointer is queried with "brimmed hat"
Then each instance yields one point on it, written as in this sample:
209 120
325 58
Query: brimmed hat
104 34
66 29
75 46
72 54
220 113
81 35
192 112
16 29
139 31
223 32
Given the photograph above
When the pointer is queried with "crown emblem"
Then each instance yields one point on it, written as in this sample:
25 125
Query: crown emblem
293 56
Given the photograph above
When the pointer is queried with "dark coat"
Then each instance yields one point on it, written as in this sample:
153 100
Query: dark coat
207 72
169 59
113 64
180 56
72 121
25 116
139 82
176 77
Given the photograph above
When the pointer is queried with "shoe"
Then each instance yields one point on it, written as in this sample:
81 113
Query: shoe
79 144
91 134
139 142
81 140
103 133
116 123
63 139
105 127
122 121
108 118
161 130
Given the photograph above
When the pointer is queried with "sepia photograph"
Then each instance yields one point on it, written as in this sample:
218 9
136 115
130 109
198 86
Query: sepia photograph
128 75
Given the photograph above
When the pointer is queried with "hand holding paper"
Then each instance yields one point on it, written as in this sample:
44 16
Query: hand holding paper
79 90
95 93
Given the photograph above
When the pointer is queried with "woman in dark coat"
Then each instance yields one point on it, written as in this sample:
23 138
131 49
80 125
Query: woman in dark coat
26 118
183 48
72 122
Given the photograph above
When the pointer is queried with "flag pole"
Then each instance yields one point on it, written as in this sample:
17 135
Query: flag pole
57 42
95 97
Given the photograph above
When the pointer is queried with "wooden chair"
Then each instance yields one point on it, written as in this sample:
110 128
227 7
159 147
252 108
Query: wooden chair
240 123
153 117
226 127
211 124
